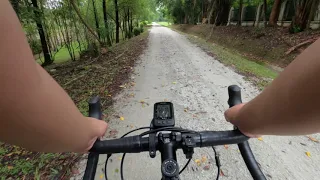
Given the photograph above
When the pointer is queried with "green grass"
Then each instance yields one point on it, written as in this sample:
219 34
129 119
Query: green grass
257 72
166 24
63 54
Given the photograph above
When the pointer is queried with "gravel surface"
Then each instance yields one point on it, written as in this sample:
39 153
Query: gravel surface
173 69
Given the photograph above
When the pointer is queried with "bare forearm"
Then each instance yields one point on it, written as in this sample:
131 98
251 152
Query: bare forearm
289 106
43 117
35 111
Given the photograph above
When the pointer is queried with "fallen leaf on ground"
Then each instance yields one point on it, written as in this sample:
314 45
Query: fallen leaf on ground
109 95
113 133
142 101
207 167
122 86
101 176
132 95
260 139
121 118
308 154
203 159
116 170
10 167
313 139
75 171
226 146
120 158
198 162
185 110
222 173
174 82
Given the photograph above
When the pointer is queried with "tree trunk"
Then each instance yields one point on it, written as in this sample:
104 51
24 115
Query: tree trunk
265 7
83 21
223 8
105 18
45 50
117 20
128 23
131 21
275 13
96 18
299 23
314 8
211 12
15 6
240 12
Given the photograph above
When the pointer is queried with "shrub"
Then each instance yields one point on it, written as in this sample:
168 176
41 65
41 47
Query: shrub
141 29
136 31
35 46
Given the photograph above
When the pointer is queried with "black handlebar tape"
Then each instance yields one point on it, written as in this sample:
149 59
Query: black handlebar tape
234 92
215 138
91 167
95 108
132 144
250 161
93 158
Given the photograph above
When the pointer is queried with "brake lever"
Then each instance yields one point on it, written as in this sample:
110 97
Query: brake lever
234 92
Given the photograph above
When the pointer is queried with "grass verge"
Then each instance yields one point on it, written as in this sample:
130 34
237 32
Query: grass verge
105 76
166 24
258 73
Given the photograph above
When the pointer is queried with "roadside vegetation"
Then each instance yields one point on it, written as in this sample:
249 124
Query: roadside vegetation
89 48
256 37
164 23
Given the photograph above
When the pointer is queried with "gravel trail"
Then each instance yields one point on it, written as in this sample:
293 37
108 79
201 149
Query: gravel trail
174 69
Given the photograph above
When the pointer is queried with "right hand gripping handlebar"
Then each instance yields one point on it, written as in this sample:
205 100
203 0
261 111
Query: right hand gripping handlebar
136 144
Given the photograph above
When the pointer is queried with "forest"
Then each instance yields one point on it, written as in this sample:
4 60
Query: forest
217 11
59 30
72 27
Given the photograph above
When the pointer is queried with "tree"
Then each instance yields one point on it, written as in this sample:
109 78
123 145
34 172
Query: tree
96 18
105 18
300 20
83 21
45 50
117 20
240 12
265 7
222 8
314 8
275 13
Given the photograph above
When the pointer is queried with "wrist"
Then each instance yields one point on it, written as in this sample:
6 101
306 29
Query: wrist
246 120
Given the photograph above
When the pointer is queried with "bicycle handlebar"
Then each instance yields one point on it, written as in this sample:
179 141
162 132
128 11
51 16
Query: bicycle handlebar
137 144
244 147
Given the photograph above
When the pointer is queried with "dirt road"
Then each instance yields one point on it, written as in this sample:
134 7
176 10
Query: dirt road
174 69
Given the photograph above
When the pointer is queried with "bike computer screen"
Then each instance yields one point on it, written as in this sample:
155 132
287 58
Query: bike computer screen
163 115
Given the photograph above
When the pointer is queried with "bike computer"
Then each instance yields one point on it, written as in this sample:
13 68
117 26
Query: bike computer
163 115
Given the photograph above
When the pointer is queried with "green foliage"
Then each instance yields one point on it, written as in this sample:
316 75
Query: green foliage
35 46
136 31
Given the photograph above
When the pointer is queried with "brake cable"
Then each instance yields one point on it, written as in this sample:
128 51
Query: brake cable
155 131
218 164
109 155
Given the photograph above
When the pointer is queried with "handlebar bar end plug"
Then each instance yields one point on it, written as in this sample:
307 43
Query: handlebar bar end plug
234 92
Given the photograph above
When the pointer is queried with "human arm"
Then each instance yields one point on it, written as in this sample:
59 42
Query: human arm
290 105
36 113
